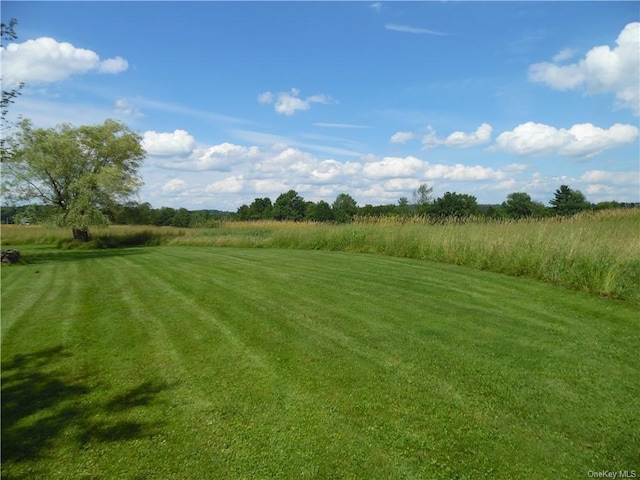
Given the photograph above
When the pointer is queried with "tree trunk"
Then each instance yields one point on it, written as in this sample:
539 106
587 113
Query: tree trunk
81 234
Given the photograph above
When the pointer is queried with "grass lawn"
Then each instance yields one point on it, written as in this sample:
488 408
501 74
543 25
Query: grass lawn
180 362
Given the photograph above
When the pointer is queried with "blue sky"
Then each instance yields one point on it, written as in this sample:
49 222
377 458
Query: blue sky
250 99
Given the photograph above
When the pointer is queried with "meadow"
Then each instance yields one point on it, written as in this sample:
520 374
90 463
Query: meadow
177 359
595 252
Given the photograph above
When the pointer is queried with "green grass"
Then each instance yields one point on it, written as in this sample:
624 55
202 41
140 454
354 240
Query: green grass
183 362
595 252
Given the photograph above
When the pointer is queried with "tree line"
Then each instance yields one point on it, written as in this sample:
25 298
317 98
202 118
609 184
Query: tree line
131 213
291 206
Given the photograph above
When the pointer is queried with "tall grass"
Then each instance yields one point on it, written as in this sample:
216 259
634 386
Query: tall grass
597 252
594 252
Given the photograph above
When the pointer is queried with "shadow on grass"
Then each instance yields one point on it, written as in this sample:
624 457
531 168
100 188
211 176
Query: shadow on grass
42 405
100 246
144 238
53 255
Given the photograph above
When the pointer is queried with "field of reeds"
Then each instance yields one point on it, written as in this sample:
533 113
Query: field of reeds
596 252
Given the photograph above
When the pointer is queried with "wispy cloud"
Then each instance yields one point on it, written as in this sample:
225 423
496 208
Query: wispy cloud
339 125
401 137
376 6
182 110
408 29
262 138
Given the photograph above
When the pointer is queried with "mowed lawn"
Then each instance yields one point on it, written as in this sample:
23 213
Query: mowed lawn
197 363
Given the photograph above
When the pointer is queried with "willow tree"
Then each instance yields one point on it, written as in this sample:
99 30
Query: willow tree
80 173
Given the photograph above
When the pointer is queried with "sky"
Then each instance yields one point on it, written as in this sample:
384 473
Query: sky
242 100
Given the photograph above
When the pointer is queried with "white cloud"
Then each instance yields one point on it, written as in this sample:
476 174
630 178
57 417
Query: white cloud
465 140
602 70
174 185
45 60
265 97
601 176
430 140
462 172
564 54
222 157
287 103
269 186
113 65
377 6
401 137
125 107
459 139
332 171
327 171
581 140
557 76
233 184
287 158
600 185
407 29
390 167
401 184
227 175
168 144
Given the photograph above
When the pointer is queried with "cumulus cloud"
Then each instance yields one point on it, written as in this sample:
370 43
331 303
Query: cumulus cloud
113 65
602 70
288 103
168 144
401 184
390 167
463 172
233 184
328 171
45 60
458 139
174 185
401 137
227 175
283 157
581 140
465 140
222 157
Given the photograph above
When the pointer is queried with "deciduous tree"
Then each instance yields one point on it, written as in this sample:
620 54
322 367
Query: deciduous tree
319 212
82 173
455 205
519 204
289 206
